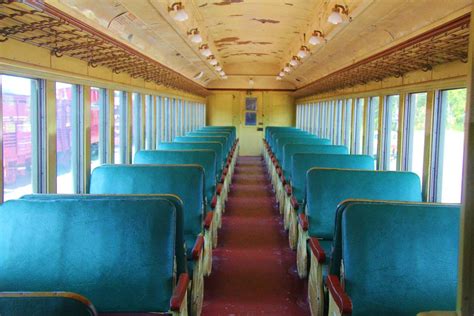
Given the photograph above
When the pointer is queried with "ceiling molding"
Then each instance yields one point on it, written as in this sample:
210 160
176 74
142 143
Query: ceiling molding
43 25
442 44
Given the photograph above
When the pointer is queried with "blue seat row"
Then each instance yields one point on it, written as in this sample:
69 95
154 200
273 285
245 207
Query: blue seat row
364 238
150 228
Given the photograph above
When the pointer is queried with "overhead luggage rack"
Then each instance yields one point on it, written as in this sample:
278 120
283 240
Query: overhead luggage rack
43 25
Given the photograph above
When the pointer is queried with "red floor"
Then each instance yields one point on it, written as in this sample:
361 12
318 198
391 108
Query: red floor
254 270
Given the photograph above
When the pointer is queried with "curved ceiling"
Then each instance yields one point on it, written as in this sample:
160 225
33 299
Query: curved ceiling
256 38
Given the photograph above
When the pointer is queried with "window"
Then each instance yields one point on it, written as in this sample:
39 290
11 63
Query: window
449 145
120 127
166 119
298 116
391 132
160 136
372 125
137 126
98 134
358 126
347 121
149 122
67 137
338 123
316 119
415 116
250 111
20 104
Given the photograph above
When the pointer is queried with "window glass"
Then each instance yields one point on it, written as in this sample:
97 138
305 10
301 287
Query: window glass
450 145
159 120
137 122
316 119
149 121
372 122
358 126
97 119
347 123
338 123
391 129
19 103
415 133
250 111
118 104
66 137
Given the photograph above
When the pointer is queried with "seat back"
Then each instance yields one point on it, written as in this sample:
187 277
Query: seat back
117 253
180 253
185 181
277 134
400 258
304 139
215 146
198 139
326 188
205 158
301 147
226 133
45 303
301 163
270 129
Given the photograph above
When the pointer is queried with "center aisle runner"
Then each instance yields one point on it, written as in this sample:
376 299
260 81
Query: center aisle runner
254 270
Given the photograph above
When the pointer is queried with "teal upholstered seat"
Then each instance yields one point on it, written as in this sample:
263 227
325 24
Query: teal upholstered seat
203 157
45 303
304 139
224 133
400 258
180 253
198 139
230 129
302 162
185 181
275 135
215 146
118 255
301 147
326 188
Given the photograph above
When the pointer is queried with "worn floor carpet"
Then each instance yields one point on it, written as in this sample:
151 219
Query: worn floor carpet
254 270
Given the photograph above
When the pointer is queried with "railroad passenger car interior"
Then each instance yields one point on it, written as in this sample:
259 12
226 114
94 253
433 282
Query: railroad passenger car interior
236 157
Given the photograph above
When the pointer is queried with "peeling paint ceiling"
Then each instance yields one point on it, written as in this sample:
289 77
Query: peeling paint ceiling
256 38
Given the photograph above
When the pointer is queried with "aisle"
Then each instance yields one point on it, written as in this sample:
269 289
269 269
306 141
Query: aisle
254 270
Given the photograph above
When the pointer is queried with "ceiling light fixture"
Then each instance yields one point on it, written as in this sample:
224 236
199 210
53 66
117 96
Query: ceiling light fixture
336 16
212 60
316 38
287 68
281 74
205 51
180 15
195 35
294 61
303 52
225 77
218 67
251 82
278 78
222 73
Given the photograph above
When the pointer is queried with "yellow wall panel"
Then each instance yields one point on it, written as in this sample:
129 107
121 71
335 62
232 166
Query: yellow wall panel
25 53
67 63
228 108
